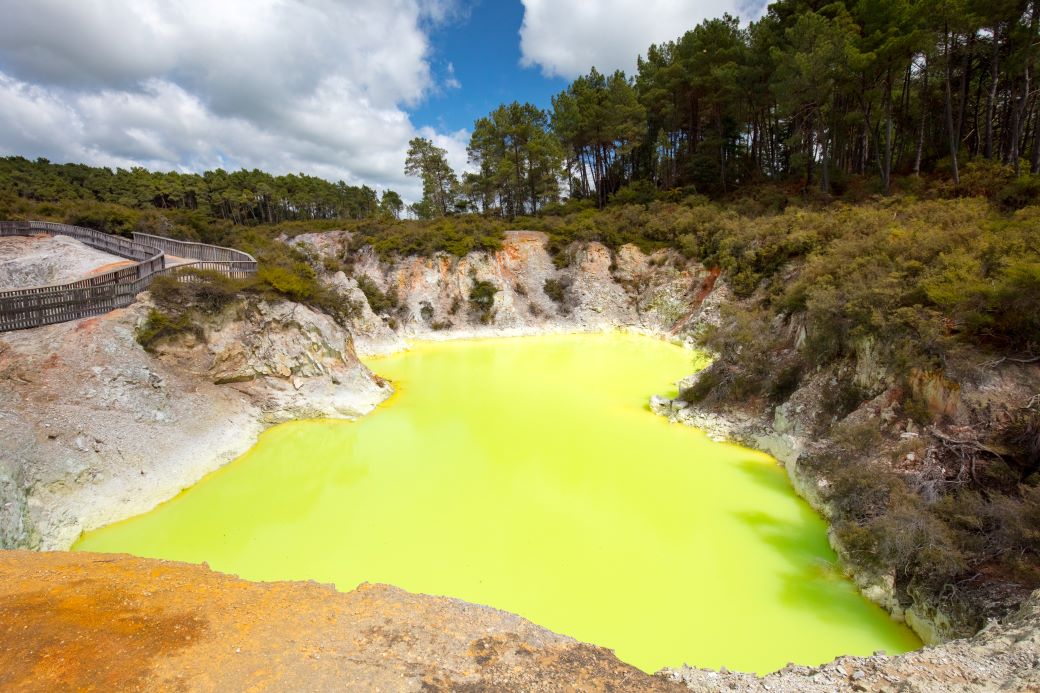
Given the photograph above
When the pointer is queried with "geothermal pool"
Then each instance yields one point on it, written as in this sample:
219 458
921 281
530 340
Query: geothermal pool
529 475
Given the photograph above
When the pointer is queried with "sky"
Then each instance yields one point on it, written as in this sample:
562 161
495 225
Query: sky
331 88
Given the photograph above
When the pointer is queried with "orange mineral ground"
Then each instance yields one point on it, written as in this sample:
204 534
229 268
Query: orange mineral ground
107 622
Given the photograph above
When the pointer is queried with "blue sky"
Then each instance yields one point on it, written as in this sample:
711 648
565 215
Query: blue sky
483 48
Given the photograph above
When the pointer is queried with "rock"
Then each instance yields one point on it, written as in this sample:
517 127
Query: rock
149 426
661 405
434 291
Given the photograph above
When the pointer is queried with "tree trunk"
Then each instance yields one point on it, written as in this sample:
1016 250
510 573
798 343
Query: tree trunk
966 64
1021 112
825 169
924 119
810 153
722 148
886 163
519 178
1034 164
1018 123
949 108
991 99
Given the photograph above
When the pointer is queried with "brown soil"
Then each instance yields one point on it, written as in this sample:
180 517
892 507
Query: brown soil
119 264
97 622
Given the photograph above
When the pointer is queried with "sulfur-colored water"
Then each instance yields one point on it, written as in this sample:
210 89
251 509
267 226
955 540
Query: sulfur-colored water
529 475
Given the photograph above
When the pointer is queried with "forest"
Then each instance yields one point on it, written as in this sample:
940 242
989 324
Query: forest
815 92
872 95
238 197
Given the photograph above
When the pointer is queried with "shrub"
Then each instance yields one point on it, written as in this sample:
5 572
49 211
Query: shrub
787 379
380 302
482 299
159 326
209 291
298 285
1019 193
640 192
555 290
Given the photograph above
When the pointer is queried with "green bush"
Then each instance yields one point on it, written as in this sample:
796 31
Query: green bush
297 283
109 218
555 290
381 303
482 300
159 326
1019 193
210 291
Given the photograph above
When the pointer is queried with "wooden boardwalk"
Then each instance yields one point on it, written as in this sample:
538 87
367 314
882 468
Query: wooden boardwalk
44 305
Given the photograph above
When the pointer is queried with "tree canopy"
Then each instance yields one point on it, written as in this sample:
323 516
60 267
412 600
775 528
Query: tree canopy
813 91
241 197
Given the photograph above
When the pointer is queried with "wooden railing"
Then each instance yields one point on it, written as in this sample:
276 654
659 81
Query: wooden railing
44 305
198 251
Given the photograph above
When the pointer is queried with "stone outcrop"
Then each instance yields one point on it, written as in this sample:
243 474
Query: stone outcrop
96 430
599 290
292 361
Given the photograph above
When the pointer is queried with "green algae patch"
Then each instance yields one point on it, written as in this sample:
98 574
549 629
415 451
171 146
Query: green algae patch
529 475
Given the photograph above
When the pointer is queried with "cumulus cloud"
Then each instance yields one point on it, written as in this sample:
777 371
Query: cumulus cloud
317 86
567 37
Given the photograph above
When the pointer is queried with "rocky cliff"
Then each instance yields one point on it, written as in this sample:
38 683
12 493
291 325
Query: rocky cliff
95 429
594 289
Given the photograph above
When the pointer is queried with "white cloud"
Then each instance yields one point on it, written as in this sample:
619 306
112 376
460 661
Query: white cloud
567 37
451 81
314 86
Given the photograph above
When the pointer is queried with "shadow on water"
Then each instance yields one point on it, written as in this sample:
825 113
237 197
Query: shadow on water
813 582
810 583
769 476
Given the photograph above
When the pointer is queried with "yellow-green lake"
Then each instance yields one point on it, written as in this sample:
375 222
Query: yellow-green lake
529 474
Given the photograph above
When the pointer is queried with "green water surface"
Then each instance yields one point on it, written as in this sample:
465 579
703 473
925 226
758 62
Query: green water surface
529 475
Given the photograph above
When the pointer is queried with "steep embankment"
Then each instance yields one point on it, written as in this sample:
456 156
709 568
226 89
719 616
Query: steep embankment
432 297
95 429
818 444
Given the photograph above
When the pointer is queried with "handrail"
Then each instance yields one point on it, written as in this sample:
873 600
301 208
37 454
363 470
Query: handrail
195 251
44 305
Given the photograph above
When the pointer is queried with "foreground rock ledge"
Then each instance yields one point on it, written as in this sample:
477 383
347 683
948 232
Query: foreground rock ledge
105 622
111 622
